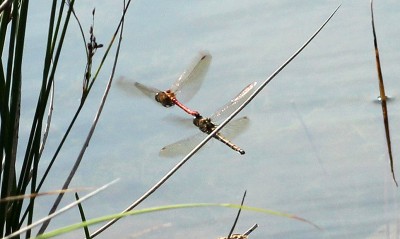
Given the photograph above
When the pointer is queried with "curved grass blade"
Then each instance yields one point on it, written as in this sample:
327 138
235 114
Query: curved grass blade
208 137
22 230
382 96
89 222
33 195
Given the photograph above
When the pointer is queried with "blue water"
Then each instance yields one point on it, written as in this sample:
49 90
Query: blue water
315 147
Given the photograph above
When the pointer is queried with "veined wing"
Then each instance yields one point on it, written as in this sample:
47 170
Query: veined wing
132 87
191 79
181 147
184 146
232 105
235 127
147 90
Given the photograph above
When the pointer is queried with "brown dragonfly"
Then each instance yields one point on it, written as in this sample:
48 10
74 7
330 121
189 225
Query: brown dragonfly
184 88
207 125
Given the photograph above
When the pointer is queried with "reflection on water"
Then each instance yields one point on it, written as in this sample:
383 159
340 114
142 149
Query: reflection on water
379 99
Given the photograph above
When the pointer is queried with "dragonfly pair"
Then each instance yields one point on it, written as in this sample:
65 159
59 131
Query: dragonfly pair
185 88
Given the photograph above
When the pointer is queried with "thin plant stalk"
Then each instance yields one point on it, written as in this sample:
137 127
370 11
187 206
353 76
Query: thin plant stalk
211 135
383 97
10 88
237 216
84 96
50 66
83 217
251 229
48 122
69 206
88 138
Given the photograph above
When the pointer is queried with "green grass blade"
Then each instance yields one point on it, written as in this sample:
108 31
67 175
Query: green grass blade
62 210
76 226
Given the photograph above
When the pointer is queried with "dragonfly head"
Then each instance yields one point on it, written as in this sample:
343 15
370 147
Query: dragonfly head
165 98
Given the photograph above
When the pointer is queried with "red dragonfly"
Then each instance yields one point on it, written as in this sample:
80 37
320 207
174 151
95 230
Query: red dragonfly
207 125
185 86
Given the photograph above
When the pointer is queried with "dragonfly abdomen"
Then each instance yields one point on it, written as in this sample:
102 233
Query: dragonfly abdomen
184 108
229 143
206 126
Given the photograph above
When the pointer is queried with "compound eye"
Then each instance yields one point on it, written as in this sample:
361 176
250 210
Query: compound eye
157 97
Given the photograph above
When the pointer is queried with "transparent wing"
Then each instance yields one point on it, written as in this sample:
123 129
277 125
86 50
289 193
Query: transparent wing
133 88
235 127
191 79
147 90
179 121
184 146
232 105
126 85
181 147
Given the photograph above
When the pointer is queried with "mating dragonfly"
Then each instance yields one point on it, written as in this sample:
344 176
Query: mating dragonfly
207 125
185 86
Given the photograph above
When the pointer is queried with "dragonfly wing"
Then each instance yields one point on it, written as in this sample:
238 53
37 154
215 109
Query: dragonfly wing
147 90
191 79
126 85
235 127
133 88
232 105
184 146
181 147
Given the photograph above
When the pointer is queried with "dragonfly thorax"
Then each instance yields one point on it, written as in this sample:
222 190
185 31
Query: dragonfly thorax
166 98
204 124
